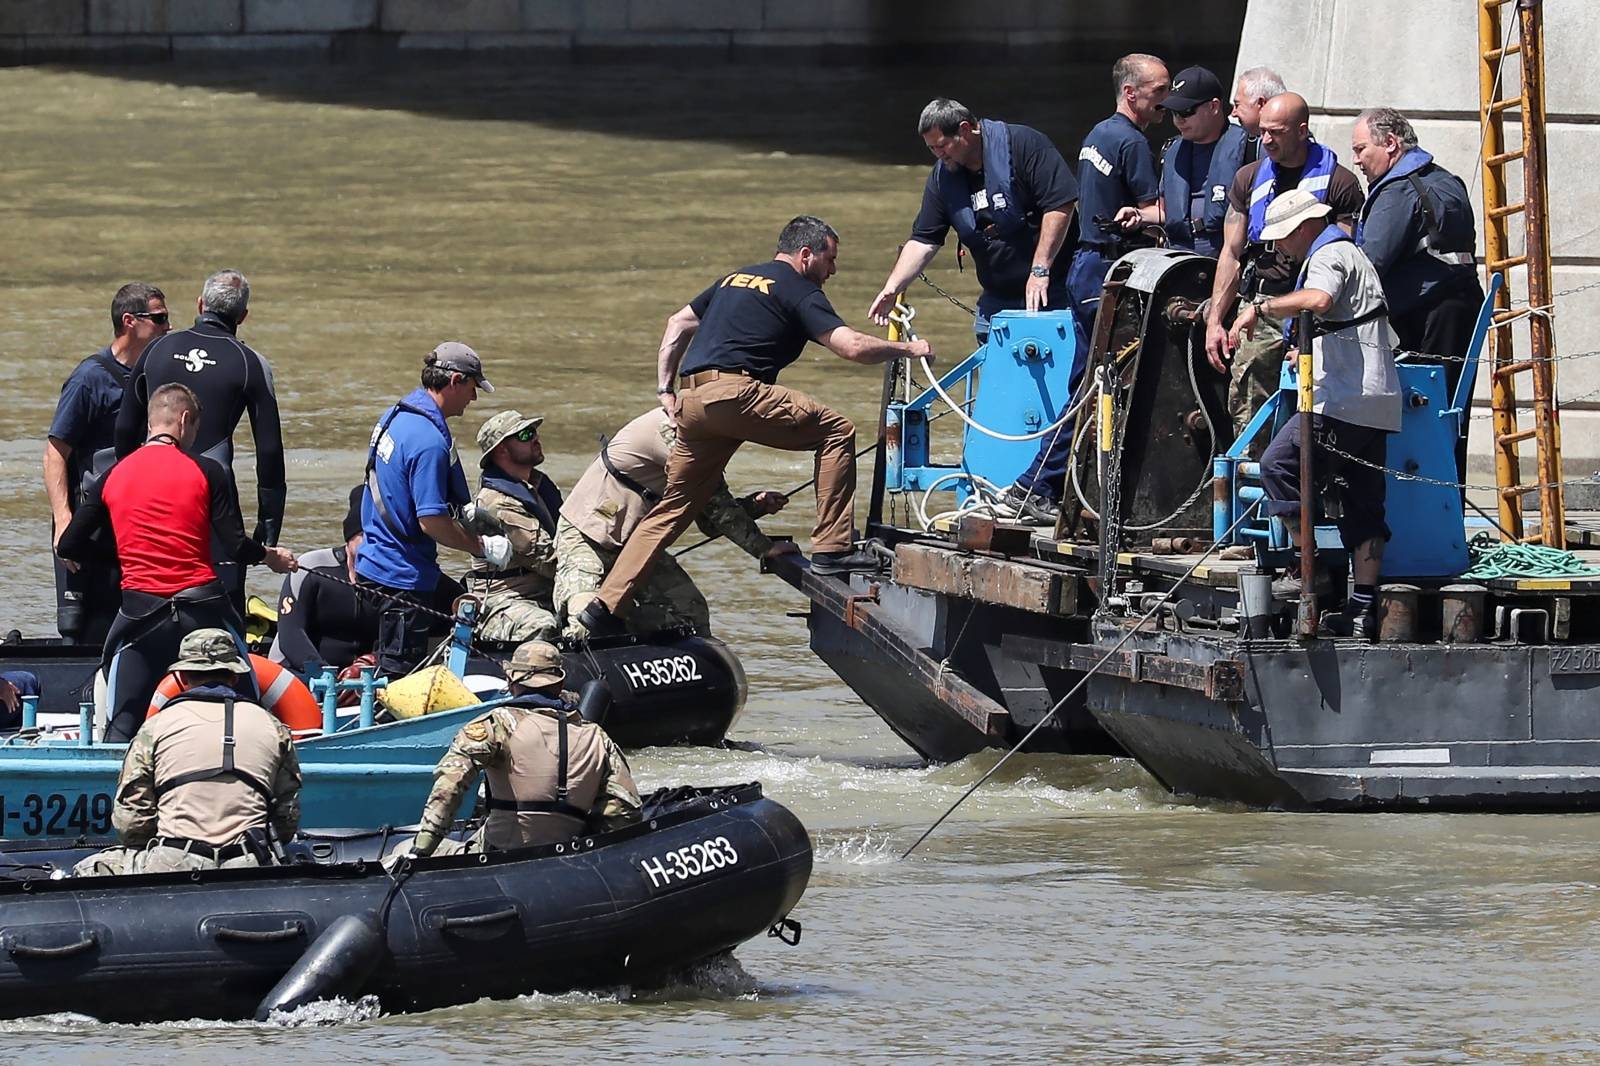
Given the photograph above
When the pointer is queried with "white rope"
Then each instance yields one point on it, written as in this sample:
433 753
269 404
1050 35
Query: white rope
904 322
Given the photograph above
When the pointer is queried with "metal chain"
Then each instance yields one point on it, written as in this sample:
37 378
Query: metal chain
384 599
1592 479
948 296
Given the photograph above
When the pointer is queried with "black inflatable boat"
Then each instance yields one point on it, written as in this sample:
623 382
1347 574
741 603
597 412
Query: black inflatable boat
706 870
671 687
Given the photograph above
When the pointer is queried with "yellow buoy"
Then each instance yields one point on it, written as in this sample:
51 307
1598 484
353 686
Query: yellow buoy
427 691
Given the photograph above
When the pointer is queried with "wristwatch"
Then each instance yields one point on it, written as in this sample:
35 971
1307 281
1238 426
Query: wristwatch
665 390
1039 271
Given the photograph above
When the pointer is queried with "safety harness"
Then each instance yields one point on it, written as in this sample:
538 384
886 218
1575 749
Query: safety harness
559 805
650 496
1321 327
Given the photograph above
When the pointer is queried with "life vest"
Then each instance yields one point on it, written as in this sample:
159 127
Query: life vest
1442 198
1331 235
456 492
544 506
282 693
1314 179
520 822
1226 158
1009 224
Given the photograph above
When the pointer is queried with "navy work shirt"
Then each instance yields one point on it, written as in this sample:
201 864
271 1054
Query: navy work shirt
86 413
757 319
1116 169
1041 182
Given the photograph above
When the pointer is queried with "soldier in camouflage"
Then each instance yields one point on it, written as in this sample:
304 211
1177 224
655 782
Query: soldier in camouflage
533 797
615 493
516 499
206 779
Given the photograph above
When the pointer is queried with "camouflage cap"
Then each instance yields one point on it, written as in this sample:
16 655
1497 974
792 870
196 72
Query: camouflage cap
206 650
501 426
536 664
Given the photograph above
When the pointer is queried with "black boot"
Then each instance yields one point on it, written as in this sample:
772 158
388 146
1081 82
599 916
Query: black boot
599 621
846 562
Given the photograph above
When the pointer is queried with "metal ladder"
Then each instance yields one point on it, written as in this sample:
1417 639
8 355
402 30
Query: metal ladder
1495 76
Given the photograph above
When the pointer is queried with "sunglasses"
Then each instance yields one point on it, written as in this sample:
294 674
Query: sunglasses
1186 112
527 434
160 318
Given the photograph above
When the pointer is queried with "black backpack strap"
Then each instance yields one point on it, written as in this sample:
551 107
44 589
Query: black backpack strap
1430 219
559 805
650 497
227 769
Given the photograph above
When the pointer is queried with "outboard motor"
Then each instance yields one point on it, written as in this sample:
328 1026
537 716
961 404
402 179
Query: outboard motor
667 687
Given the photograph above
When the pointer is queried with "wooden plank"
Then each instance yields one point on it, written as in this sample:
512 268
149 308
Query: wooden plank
986 579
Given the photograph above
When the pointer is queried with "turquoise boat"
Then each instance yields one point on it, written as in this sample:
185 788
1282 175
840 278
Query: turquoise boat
666 688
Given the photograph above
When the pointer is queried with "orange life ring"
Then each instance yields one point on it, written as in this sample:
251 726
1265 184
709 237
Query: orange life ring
282 693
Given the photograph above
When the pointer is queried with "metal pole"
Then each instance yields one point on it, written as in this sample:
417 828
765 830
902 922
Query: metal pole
1306 622
1546 417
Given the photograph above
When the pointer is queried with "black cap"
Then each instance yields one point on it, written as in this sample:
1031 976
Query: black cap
1192 87
352 518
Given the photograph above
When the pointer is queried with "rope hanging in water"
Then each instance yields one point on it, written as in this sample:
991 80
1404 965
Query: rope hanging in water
1492 559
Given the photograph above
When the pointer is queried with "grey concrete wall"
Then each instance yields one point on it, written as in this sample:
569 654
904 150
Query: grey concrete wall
1421 56
156 30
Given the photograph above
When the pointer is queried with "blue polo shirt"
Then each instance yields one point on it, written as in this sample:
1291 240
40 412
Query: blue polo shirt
86 413
1116 169
413 459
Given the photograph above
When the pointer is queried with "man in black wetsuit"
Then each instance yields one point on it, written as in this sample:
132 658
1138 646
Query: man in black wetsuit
321 618
166 506
229 379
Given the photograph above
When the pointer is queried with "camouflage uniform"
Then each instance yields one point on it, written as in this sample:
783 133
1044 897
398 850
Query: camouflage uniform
486 743
516 602
669 596
159 829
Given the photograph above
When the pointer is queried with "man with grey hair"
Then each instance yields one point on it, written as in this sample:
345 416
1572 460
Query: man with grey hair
1253 88
1418 229
1009 196
230 379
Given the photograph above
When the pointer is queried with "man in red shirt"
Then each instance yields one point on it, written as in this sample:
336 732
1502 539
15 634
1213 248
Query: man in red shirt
162 505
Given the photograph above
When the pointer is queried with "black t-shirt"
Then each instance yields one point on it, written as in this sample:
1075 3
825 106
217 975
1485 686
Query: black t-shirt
757 319
86 414
1041 181
1276 273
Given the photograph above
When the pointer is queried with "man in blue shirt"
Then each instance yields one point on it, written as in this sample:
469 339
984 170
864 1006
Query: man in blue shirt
80 446
1198 167
1009 196
415 489
1116 169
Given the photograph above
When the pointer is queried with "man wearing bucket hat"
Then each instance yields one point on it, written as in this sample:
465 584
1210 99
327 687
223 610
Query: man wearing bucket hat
516 500
208 782
415 490
1356 399
551 774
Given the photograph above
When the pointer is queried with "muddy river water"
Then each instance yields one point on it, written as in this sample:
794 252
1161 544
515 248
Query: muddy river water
553 218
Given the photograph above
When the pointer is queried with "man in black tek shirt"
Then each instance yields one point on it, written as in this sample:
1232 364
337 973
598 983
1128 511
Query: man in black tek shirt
739 334
80 447
1009 196
229 378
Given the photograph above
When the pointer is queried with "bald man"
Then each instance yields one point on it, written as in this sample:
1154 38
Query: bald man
1246 270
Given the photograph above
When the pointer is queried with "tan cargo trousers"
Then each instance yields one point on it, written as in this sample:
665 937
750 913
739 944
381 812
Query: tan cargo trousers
720 411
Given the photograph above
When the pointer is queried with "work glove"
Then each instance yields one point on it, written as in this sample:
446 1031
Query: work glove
497 551
481 520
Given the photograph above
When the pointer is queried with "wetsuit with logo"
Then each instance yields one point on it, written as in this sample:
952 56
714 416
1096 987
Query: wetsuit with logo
230 379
